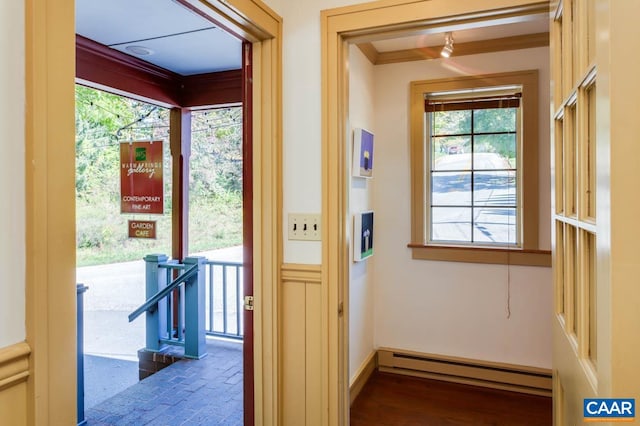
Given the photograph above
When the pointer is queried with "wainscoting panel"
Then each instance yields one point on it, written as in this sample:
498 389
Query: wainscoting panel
14 372
301 345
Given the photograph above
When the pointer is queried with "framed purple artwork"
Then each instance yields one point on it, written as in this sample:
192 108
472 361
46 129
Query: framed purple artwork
362 153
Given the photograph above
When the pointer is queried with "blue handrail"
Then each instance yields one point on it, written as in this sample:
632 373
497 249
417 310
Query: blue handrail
152 303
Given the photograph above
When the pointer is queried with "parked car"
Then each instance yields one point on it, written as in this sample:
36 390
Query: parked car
455 149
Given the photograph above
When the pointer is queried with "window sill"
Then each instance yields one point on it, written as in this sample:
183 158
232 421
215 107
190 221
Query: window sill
519 257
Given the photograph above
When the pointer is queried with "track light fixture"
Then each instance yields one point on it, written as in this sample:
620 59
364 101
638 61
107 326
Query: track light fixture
447 49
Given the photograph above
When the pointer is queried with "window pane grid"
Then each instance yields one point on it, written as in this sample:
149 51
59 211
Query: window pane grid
473 190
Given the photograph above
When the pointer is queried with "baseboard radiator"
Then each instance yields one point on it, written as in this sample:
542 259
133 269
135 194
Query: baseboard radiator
531 380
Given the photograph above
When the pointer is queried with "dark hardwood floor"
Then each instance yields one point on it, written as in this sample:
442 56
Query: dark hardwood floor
395 400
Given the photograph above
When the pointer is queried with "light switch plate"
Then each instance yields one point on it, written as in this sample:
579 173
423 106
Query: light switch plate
304 227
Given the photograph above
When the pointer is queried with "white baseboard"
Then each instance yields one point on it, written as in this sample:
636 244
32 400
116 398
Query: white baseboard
516 378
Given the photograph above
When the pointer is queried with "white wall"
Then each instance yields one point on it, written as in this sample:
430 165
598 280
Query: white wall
454 308
302 153
361 114
12 173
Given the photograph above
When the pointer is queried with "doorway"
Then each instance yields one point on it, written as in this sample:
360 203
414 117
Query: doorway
369 24
110 259
50 301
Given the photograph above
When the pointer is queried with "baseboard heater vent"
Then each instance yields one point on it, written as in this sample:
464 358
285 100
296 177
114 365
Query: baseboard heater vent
531 380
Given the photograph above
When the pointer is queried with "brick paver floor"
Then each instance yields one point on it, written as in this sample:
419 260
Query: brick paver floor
189 392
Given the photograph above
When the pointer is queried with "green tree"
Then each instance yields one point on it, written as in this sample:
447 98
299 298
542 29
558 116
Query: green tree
103 120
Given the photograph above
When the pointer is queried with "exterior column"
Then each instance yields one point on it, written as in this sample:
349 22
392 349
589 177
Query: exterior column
180 139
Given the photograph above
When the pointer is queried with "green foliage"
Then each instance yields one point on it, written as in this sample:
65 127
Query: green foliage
216 153
484 121
103 120
452 122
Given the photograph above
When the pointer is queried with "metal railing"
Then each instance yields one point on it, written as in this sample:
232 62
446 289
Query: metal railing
224 299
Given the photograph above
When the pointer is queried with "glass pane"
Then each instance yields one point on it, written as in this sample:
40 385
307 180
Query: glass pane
571 242
591 152
569 167
451 189
559 268
591 257
451 153
451 224
491 225
451 122
494 120
494 188
557 167
494 152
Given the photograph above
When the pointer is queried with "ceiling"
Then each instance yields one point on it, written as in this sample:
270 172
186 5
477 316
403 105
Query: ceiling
171 36
468 32
162 32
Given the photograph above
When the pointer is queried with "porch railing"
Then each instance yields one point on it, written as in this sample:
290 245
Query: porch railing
187 300
225 296
175 308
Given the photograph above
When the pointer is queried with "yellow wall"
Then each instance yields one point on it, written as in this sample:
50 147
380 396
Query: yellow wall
14 372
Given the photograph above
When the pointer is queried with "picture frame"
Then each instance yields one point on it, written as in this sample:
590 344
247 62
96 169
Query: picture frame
362 235
362 153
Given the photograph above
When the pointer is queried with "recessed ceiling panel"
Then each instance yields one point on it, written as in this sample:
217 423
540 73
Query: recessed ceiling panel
119 21
198 52
174 37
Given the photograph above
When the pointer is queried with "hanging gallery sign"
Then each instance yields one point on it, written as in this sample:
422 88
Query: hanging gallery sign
141 180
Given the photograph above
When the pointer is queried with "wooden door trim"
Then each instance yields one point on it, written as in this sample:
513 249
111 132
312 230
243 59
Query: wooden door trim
361 23
247 231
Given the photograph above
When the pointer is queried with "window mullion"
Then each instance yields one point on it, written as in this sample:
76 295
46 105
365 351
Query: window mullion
472 174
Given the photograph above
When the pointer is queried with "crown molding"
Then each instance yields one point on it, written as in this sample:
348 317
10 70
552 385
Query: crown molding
526 41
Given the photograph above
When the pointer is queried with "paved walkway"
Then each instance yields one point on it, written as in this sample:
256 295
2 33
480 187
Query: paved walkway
189 392
111 342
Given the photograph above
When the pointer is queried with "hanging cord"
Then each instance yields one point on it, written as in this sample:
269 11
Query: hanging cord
509 248
509 283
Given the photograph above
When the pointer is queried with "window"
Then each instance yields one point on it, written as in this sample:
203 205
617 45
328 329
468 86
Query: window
474 147
472 144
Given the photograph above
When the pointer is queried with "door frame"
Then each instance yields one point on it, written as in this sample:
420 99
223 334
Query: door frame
50 200
340 26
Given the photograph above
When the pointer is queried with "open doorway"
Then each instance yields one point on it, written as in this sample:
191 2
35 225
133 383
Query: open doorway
186 70
50 286
110 260
376 74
